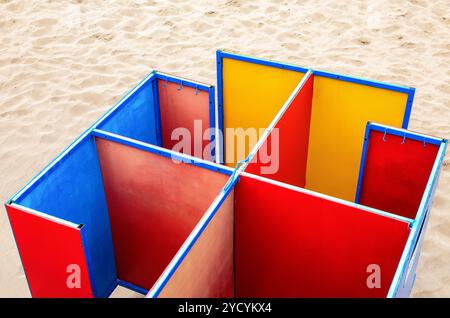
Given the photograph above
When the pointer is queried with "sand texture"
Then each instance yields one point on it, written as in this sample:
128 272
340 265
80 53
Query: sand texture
64 63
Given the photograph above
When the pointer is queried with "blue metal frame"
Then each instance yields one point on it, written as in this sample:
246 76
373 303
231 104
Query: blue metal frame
363 162
409 102
162 152
157 111
286 66
405 133
212 122
182 81
220 105
363 81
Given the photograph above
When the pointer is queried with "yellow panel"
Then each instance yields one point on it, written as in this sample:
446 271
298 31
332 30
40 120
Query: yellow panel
252 96
340 112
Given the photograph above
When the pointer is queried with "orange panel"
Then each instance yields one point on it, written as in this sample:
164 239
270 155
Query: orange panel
154 203
207 270
182 108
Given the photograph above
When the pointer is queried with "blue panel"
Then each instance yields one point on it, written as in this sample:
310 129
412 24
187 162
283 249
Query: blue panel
72 189
136 116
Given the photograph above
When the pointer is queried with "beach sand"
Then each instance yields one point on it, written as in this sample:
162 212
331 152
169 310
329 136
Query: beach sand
64 63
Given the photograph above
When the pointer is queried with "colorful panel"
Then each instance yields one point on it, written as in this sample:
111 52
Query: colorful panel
136 115
153 203
395 173
207 270
72 189
185 112
340 112
283 155
252 95
311 246
52 255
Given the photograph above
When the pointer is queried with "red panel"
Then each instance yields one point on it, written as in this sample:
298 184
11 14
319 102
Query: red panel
47 249
396 174
207 270
154 204
293 132
291 244
179 109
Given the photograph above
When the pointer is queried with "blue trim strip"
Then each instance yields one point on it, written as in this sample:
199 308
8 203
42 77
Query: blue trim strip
132 287
417 224
212 122
363 162
347 78
155 293
362 81
162 152
405 133
243 58
408 109
219 62
157 112
182 81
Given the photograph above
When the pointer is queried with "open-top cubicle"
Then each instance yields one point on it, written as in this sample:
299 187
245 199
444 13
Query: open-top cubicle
296 211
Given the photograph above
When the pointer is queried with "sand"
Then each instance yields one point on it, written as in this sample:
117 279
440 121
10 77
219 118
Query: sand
63 63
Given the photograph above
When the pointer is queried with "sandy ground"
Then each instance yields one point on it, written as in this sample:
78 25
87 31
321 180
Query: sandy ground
63 63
